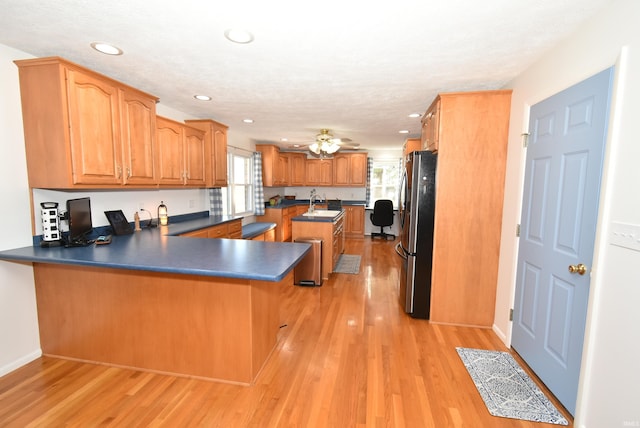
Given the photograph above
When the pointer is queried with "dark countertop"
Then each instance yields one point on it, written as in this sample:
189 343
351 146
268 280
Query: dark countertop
317 219
178 228
158 250
293 202
254 229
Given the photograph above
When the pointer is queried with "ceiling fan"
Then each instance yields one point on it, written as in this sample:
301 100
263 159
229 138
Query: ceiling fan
325 145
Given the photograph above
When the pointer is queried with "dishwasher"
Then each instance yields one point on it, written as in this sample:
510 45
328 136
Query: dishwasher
309 270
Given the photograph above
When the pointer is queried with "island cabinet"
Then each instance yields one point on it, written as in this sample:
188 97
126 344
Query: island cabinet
215 135
354 221
331 233
83 129
232 230
350 169
319 172
182 154
472 146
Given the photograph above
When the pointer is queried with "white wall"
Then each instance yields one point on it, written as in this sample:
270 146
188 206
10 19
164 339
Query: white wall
19 339
608 393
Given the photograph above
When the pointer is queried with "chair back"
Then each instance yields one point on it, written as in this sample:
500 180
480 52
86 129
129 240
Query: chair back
382 213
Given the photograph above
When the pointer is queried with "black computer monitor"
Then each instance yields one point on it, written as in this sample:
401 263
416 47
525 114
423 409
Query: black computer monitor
79 215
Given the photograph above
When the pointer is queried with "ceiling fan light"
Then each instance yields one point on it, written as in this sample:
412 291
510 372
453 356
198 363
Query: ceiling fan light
332 148
315 148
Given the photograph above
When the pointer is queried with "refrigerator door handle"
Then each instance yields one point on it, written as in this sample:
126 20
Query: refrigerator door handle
400 251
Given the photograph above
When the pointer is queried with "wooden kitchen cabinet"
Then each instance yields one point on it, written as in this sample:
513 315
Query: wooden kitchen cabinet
411 145
350 169
471 145
83 129
215 135
275 166
232 230
431 127
195 159
319 172
282 218
332 236
181 154
200 233
297 169
354 221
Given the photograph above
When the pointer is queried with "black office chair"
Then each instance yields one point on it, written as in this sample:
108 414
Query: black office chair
382 216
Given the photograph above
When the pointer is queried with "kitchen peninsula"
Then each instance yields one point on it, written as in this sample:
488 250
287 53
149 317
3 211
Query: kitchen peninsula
205 308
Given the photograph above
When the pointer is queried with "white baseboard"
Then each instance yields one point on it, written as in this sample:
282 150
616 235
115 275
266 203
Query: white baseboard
501 335
7 368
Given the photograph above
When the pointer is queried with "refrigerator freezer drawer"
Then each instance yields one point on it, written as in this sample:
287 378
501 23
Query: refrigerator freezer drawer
309 270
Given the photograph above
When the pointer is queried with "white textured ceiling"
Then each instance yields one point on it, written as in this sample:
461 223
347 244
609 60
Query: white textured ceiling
356 67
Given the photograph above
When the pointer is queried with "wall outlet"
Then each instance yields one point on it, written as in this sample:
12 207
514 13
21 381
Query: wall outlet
141 206
192 203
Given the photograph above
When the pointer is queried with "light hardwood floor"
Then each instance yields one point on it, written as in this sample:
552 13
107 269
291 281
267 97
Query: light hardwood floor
347 356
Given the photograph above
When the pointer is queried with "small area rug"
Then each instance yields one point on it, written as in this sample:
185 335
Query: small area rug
348 263
506 388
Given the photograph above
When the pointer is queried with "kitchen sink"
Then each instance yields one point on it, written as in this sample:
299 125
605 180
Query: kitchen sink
322 213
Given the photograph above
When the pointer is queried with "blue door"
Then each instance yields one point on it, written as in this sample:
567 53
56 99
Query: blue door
567 133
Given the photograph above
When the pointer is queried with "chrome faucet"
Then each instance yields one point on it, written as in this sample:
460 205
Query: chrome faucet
312 198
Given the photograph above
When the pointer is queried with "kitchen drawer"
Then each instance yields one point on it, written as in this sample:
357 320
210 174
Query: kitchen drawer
217 231
235 228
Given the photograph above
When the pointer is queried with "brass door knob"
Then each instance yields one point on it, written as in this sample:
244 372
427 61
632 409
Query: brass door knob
579 269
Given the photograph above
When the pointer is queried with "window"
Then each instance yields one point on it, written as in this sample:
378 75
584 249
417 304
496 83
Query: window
238 196
385 180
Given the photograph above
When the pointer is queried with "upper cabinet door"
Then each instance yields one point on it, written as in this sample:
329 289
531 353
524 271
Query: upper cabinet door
94 127
341 170
215 137
219 155
431 127
139 152
358 169
170 138
297 164
195 157
350 169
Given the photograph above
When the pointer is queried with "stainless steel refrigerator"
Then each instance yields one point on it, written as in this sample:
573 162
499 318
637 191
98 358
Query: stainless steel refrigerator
417 210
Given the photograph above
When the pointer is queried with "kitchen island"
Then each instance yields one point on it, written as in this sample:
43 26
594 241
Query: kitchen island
205 308
326 225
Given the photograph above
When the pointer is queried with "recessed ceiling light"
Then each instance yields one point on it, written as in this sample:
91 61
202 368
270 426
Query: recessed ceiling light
106 48
403 131
202 97
415 115
238 36
247 120
284 139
